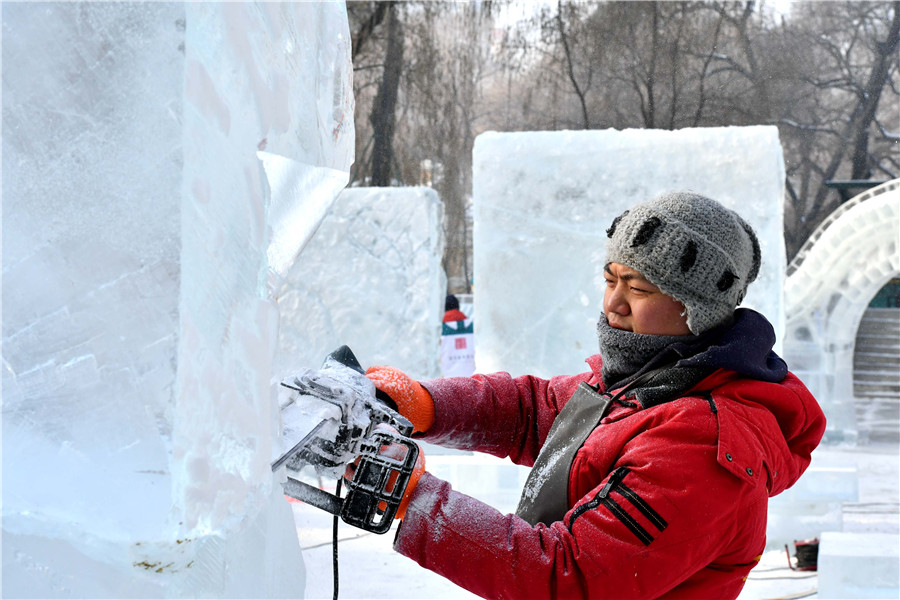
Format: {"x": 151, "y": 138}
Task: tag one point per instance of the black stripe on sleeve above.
{"x": 646, "y": 510}
{"x": 627, "y": 520}
{"x": 615, "y": 484}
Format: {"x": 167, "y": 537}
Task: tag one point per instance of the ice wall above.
{"x": 371, "y": 278}
{"x": 142, "y": 241}
{"x": 543, "y": 202}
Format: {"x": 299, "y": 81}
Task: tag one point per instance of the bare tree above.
{"x": 580, "y": 91}
{"x": 366, "y": 17}
{"x": 444, "y": 83}
{"x": 385, "y": 104}
{"x": 846, "y": 62}
{"x": 435, "y": 55}
{"x": 864, "y": 115}
{"x": 826, "y": 75}
{"x": 818, "y": 75}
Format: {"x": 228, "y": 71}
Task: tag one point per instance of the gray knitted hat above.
{"x": 693, "y": 249}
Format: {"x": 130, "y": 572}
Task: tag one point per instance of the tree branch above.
{"x": 570, "y": 67}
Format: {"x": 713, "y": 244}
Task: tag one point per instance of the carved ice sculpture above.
{"x": 163, "y": 165}
{"x": 849, "y": 257}
{"x": 372, "y": 279}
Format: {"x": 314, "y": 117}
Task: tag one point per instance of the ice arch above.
{"x": 852, "y": 254}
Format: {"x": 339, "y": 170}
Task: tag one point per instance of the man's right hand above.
{"x": 412, "y": 400}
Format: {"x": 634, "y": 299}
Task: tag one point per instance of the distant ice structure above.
{"x": 859, "y": 565}
{"x": 814, "y": 504}
{"x": 143, "y": 238}
{"x": 543, "y": 201}
{"x": 846, "y": 261}
{"x": 372, "y": 279}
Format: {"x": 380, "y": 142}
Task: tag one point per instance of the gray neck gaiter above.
{"x": 624, "y": 353}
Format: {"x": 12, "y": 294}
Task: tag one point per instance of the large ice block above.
{"x": 813, "y": 504}
{"x": 372, "y": 279}
{"x": 543, "y": 202}
{"x": 142, "y": 239}
{"x": 859, "y": 565}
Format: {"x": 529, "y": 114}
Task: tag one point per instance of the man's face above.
{"x": 632, "y": 303}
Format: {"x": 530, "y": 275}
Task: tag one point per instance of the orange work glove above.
{"x": 396, "y": 452}
{"x": 418, "y": 470}
{"x": 412, "y": 400}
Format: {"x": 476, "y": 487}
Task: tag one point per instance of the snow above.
{"x": 368, "y": 566}
{"x": 142, "y": 240}
{"x": 531, "y": 488}
{"x": 336, "y": 394}
{"x": 543, "y": 202}
{"x": 300, "y": 417}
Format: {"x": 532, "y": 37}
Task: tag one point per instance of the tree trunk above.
{"x": 862, "y": 168}
{"x": 857, "y": 127}
{"x": 650, "y": 120}
{"x": 570, "y": 67}
{"x": 384, "y": 106}
{"x": 365, "y": 31}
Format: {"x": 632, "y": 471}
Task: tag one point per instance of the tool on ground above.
{"x": 807, "y": 553}
{"x": 334, "y": 417}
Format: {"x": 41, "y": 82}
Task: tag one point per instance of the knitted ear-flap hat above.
{"x": 693, "y": 249}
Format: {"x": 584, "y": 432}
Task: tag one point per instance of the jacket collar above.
{"x": 743, "y": 346}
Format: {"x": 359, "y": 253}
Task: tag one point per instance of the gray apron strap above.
{"x": 545, "y": 498}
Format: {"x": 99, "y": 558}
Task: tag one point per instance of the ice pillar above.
{"x": 163, "y": 164}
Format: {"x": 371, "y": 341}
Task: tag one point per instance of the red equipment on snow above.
{"x": 807, "y": 553}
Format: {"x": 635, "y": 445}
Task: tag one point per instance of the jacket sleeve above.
{"x": 497, "y": 414}
{"x": 663, "y": 513}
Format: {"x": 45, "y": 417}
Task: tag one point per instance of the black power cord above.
{"x": 334, "y": 545}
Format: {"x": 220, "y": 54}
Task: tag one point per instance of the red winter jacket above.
{"x": 454, "y": 315}
{"x": 664, "y": 502}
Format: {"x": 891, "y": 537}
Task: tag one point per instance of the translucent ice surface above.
{"x": 543, "y": 202}
{"x": 142, "y": 232}
{"x": 372, "y": 279}
{"x": 859, "y": 565}
{"x": 828, "y": 289}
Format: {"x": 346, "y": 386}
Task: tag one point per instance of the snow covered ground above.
{"x": 369, "y": 568}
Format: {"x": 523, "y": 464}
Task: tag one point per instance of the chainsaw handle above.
{"x": 386, "y": 400}
{"x": 379, "y": 481}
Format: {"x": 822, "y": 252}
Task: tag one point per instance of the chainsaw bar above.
{"x": 302, "y": 425}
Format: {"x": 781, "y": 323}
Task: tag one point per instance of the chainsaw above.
{"x": 334, "y": 417}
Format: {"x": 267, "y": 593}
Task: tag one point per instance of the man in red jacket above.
{"x": 652, "y": 471}
{"x": 457, "y": 341}
{"x": 451, "y": 310}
